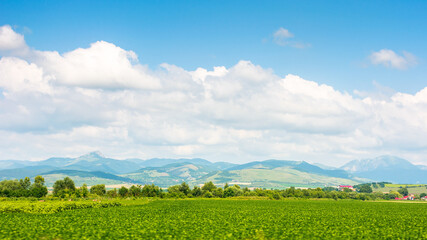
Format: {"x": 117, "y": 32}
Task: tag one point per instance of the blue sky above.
{"x": 322, "y": 81}
{"x": 204, "y": 34}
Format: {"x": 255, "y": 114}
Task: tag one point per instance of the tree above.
{"x": 365, "y": 188}
{"x": 196, "y": 192}
{"x": 218, "y": 193}
{"x": 84, "y": 192}
{"x": 209, "y": 186}
{"x": 184, "y": 188}
{"x": 151, "y": 191}
{"x": 64, "y": 187}
{"x": 207, "y": 194}
{"x": 403, "y": 191}
{"x": 123, "y": 191}
{"x": 174, "y": 191}
{"x": 39, "y": 180}
{"x": 26, "y": 183}
{"x": 58, "y": 186}
{"x": 112, "y": 193}
{"x": 232, "y": 192}
{"x": 135, "y": 190}
{"x": 38, "y": 189}
{"x": 98, "y": 189}
{"x": 69, "y": 184}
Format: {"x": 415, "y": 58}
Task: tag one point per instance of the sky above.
{"x": 238, "y": 81}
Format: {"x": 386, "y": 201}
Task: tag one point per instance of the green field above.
{"x": 412, "y": 188}
{"x": 225, "y": 219}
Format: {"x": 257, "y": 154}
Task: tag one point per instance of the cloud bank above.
{"x": 102, "y": 98}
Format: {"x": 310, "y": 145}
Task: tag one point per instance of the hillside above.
{"x": 90, "y": 178}
{"x": 95, "y": 168}
{"x": 171, "y": 174}
{"x": 280, "y": 177}
{"x": 264, "y": 174}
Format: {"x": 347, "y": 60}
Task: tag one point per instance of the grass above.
{"x": 412, "y": 188}
{"x": 224, "y": 219}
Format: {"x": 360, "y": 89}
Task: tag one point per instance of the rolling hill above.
{"x": 90, "y": 178}
{"x": 94, "y": 168}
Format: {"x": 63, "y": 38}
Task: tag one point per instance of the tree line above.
{"x": 23, "y": 188}
{"x": 66, "y": 188}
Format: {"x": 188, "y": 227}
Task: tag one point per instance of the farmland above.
{"x": 224, "y": 219}
{"x": 412, "y": 188}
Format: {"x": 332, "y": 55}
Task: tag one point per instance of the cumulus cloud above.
{"x": 17, "y": 75}
{"x": 102, "y": 65}
{"x": 390, "y": 59}
{"x": 11, "y": 43}
{"x": 101, "y": 97}
{"x": 10, "y": 40}
{"x": 282, "y": 37}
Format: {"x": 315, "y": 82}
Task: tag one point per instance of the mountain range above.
{"x": 95, "y": 168}
{"x": 388, "y": 169}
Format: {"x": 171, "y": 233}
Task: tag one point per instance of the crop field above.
{"x": 225, "y": 219}
{"x": 51, "y": 207}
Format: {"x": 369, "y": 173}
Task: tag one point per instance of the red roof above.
{"x": 346, "y": 186}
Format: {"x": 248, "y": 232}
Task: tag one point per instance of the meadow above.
{"x": 224, "y": 219}
{"x": 412, "y": 188}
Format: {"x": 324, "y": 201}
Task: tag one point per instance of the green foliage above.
{"x": 365, "y": 188}
{"x": 123, "y": 191}
{"x": 196, "y": 192}
{"x": 23, "y": 188}
{"x": 225, "y": 219}
{"x": 135, "y": 191}
{"x": 209, "y": 186}
{"x": 233, "y": 191}
{"x": 98, "y": 189}
{"x": 64, "y": 188}
{"x": 403, "y": 191}
{"x": 184, "y": 188}
{"x": 151, "y": 191}
{"x": 174, "y": 192}
{"x": 84, "y": 192}
{"x": 51, "y": 206}
{"x": 112, "y": 193}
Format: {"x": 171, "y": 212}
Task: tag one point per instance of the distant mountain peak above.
{"x": 378, "y": 163}
{"x": 381, "y": 162}
{"x": 94, "y": 154}
{"x": 387, "y": 168}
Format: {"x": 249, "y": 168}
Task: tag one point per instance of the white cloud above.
{"x": 102, "y": 65}
{"x": 18, "y": 75}
{"x": 389, "y": 58}
{"x": 283, "y": 33}
{"x": 10, "y": 40}
{"x": 101, "y": 98}
{"x": 282, "y": 37}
